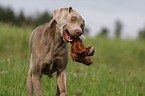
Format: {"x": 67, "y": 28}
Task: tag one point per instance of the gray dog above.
{"x": 49, "y": 49}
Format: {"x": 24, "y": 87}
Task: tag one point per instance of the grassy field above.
{"x": 118, "y": 68}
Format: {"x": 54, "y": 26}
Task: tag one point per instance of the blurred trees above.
{"x": 87, "y": 31}
{"x": 118, "y": 29}
{"x": 142, "y": 33}
{"x": 104, "y": 32}
{"x": 7, "y": 15}
{"x": 117, "y": 33}
{"x": 42, "y": 18}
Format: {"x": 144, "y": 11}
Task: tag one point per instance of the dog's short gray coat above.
{"x": 49, "y": 49}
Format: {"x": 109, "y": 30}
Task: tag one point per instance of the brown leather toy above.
{"x": 79, "y": 52}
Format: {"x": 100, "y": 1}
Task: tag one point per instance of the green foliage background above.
{"x": 118, "y": 68}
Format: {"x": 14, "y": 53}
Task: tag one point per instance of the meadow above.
{"x": 118, "y": 68}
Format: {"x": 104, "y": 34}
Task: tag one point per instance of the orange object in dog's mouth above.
{"x": 67, "y": 36}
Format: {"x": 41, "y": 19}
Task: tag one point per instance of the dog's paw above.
{"x": 91, "y": 51}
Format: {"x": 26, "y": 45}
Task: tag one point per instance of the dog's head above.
{"x": 70, "y": 21}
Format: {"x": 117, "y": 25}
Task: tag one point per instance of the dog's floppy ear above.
{"x": 60, "y": 15}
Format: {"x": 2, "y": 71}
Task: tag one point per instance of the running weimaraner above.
{"x": 49, "y": 49}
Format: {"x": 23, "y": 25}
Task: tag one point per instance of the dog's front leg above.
{"x": 37, "y": 85}
{"x": 61, "y": 81}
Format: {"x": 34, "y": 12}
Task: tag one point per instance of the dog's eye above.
{"x": 73, "y": 19}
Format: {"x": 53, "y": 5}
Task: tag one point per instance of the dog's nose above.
{"x": 79, "y": 33}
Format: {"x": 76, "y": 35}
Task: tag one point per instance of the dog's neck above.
{"x": 59, "y": 41}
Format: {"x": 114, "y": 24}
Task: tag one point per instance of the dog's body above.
{"x": 48, "y": 56}
{"x": 49, "y": 49}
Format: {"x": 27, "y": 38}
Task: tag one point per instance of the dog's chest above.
{"x": 59, "y": 61}
{"x": 50, "y": 69}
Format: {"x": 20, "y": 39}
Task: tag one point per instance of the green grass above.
{"x": 118, "y": 68}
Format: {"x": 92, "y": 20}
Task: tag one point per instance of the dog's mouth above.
{"x": 67, "y": 36}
